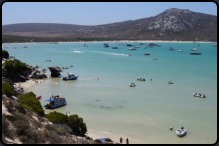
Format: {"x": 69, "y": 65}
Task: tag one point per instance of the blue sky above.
{"x": 92, "y": 13}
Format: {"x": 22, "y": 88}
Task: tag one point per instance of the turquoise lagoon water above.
{"x": 144, "y": 114}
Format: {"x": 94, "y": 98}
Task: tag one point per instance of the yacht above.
{"x": 70, "y": 76}
{"x": 55, "y": 101}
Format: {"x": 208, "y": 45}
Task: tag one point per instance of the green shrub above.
{"x": 15, "y": 66}
{"x": 3, "y": 75}
{"x": 7, "y": 89}
{"x": 5, "y": 54}
{"x": 28, "y": 100}
{"x": 56, "y": 117}
{"x": 20, "y": 108}
{"x": 77, "y": 125}
{"x": 50, "y": 127}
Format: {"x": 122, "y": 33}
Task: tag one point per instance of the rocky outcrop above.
{"x": 55, "y": 71}
{"x": 37, "y": 75}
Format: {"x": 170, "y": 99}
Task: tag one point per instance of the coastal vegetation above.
{"x": 29, "y": 101}
{"x": 7, "y": 89}
{"x": 73, "y": 121}
{"x": 15, "y": 66}
{"x": 5, "y": 54}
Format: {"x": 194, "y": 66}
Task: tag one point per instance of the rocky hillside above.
{"x": 172, "y": 24}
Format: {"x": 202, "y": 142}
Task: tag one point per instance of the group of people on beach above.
{"x": 127, "y": 140}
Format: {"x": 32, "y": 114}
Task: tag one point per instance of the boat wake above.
{"x": 109, "y": 53}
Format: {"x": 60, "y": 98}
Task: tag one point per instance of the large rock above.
{"x": 55, "y": 71}
{"x": 37, "y": 75}
{"x": 19, "y": 78}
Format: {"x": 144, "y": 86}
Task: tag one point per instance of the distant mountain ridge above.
{"x": 172, "y": 24}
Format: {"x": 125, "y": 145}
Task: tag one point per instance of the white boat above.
{"x": 194, "y": 49}
{"x": 180, "y": 51}
{"x": 198, "y": 95}
{"x": 154, "y": 58}
{"x": 132, "y": 85}
{"x": 181, "y": 132}
{"x": 141, "y": 79}
{"x": 55, "y": 101}
{"x": 70, "y": 76}
{"x": 137, "y": 46}
{"x": 133, "y": 48}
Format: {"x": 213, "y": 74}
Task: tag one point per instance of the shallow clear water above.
{"x": 144, "y": 114}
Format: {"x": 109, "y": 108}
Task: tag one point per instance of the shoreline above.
{"x": 149, "y": 41}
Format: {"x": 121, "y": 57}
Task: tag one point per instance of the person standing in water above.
{"x": 120, "y": 139}
{"x": 127, "y": 141}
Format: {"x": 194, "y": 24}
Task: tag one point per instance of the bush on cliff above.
{"x": 15, "y": 66}
{"x": 5, "y": 54}
{"x": 77, "y": 125}
{"x": 28, "y": 100}
{"x": 56, "y": 117}
{"x": 7, "y": 90}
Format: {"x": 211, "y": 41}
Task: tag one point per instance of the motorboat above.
{"x": 114, "y": 47}
{"x": 153, "y": 44}
{"x": 129, "y": 45}
{"x": 71, "y": 66}
{"x": 133, "y": 48}
{"x": 141, "y": 44}
{"x": 154, "y": 58}
{"x": 105, "y": 45}
{"x": 48, "y": 60}
{"x": 11, "y": 57}
{"x": 214, "y": 45}
{"x": 15, "y": 47}
{"x": 147, "y": 54}
{"x": 170, "y": 49}
{"x": 37, "y": 66}
{"x": 180, "y": 51}
{"x": 120, "y": 44}
{"x": 198, "y": 95}
{"x": 137, "y": 46}
{"x": 141, "y": 79}
{"x": 38, "y": 97}
{"x": 129, "y": 54}
{"x": 55, "y": 102}
{"x": 85, "y": 45}
{"x": 195, "y": 53}
{"x": 132, "y": 85}
{"x": 65, "y": 67}
{"x": 170, "y": 82}
{"x": 70, "y": 76}
{"x": 181, "y": 132}
{"x": 194, "y": 49}
{"x": 24, "y": 46}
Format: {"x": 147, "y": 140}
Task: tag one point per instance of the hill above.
{"x": 172, "y": 24}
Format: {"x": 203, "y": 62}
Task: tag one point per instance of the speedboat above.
{"x": 181, "y": 132}
{"x": 141, "y": 79}
{"x": 38, "y": 97}
{"x": 132, "y": 85}
{"x": 195, "y": 53}
{"x": 114, "y": 47}
{"x": 154, "y": 58}
{"x": 194, "y": 49}
{"x": 70, "y": 76}
{"x": 11, "y": 57}
{"x": 147, "y": 54}
{"x": 55, "y": 101}
{"x": 180, "y": 51}
{"x": 65, "y": 67}
{"x": 133, "y": 48}
{"x": 198, "y": 95}
{"x": 170, "y": 82}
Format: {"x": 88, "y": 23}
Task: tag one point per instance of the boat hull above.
{"x": 181, "y": 132}
{"x": 53, "y": 107}
{"x": 69, "y": 78}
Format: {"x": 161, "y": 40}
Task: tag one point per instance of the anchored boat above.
{"x": 55, "y": 102}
